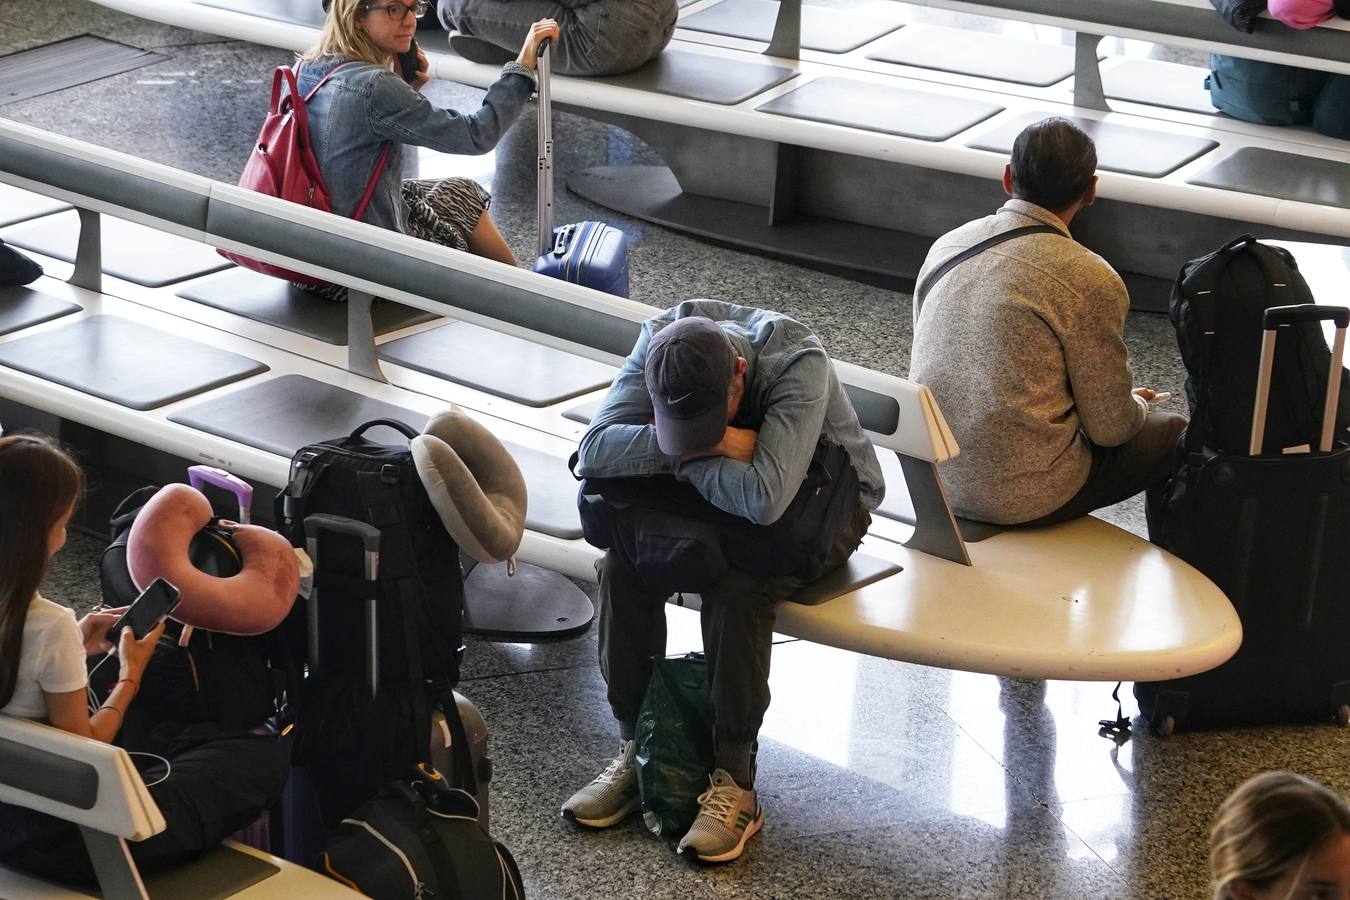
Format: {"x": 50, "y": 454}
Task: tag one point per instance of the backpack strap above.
{"x": 375, "y": 174}
{"x": 921, "y": 291}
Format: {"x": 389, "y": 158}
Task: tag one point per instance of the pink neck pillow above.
{"x": 252, "y": 602}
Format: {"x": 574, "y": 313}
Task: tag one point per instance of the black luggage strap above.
{"x": 1118, "y": 729}
{"x": 921, "y": 290}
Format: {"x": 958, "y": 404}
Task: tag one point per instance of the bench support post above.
{"x": 1087, "y": 73}
{"x": 935, "y": 530}
{"x": 117, "y": 875}
{"x": 362, "y": 357}
{"x": 787, "y": 31}
{"x": 88, "y": 272}
{"x": 783, "y": 200}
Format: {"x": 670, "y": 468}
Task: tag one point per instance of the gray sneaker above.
{"x": 728, "y": 816}
{"x": 610, "y": 798}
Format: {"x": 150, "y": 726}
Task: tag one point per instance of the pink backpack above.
{"x": 283, "y": 165}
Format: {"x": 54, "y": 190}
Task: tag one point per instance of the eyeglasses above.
{"x": 399, "y": 11}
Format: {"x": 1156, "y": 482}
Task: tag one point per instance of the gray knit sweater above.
{"x": 1023, "y": 347}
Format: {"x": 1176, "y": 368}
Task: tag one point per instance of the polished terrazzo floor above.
{"x": 880, "y": 779}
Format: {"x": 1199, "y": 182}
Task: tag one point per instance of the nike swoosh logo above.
{"x": 681, "y": 397}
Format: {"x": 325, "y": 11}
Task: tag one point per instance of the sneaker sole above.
{"x": 750, "y": 831}
{"x": 624, "y": 812}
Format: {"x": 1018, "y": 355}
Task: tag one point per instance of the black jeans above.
{"x": 220, "y": 780}
{"x": 1142, "y": 463}
{"x": 737, "y": 618}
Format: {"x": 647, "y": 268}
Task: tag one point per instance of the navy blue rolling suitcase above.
{"x": 591, "y": 254}
{"x": 1269, "y": 529}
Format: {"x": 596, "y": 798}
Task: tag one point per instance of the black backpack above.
{"x": 421, "y": 839}
{"x": 676, "y": 540}
{"x": 367, "y": 740}
{"x": 238, "y": 681}
{"x": 1217, "y": 306}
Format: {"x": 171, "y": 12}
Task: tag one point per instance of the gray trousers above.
{"x": 604, "y": 37}
{"x": 737, "y": 618}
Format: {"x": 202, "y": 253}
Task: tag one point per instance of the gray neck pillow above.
{"x": 474, "y": 484}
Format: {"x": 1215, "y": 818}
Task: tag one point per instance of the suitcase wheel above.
{"x": 1343, "y": 714}
{"x": 1164, "y": 726}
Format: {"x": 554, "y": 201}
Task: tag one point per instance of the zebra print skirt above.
{"x": 444, "y": 211}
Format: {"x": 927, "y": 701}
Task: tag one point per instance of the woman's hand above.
{"x": 423, "y": 72}
{"x": 544, "y": 29}
{"x": 134, "y": 654}
{"x": 94, "y": 630}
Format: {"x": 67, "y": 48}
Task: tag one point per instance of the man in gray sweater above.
{"x": 1022, "y": 343}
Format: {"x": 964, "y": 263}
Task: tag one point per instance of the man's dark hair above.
{"x": 1053, "y": 162}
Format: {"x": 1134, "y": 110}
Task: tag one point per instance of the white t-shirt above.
{"x": 51, "y": 659}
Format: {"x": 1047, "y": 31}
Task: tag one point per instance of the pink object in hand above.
{"x": 252, "y": 602}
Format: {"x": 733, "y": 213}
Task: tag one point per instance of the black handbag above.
{"x": 677, "y": 541}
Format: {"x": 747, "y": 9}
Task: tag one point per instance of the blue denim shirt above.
{"x": 792, "y": 398}
{"x": 364, "y": 106}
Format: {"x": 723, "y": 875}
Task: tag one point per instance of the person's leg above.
{"x": 1118, "y": 473}
{"x": 502, "y": 24}
{"x": 632, "y": 632}
{"x": 486, "y": 240}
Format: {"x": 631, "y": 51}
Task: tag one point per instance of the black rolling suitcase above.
{"x": 1269, "y": 530}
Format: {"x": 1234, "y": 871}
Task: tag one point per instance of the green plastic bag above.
{"x": 674, "y": 744}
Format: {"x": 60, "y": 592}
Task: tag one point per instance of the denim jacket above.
{"x": 364, "y": 106}
{"x": 792, "y": 398}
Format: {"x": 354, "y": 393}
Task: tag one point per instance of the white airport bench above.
{"x": 1082, "y": 600}
{"x": 857, "y": 155}
{"x": 96, "y": 787}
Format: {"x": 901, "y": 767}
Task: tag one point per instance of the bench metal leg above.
{"x": 117, "y": 875}
{"x": 936, "y": 532}
{"x": 787, "y": 178}
{"x": 1087, "y": 73}
{"x": 88, "y": 272}
{"x": 531, "y": 604}
{"x": 362, "y": 356}
{"x": 787, "y": 31}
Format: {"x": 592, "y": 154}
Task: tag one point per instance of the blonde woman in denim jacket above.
{"x": 367, "y": 105}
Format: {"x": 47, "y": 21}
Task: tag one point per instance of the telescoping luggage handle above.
{"x": 543, "y": 73}
{"x": 369, "y": 535}
{"x": 242, "y": 490}
{"x": 1278, "y": 317}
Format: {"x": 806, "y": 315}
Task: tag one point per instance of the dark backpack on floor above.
{"x": 362, "y": 741}
{"x": 421, "y": 839}
{"x": 1218, "y": 302}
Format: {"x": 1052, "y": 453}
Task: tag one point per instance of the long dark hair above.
{"x": 38, "y": 483}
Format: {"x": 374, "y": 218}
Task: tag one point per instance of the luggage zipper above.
{"x": 418, "y": 886}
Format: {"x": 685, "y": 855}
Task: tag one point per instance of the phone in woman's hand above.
{"x": 409, "y": 63}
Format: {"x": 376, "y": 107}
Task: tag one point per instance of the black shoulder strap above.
{"x": 921, "y": 291}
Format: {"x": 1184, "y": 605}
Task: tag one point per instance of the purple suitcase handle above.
{"x": 242, "y": 490}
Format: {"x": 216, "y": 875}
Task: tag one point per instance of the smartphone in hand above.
{"x": 146, "y": 611}
{"x": 409, "y": 63}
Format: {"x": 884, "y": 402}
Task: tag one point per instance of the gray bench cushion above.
{"x": 585, "y": 412}
{"x": 1120, "y": 148}
{"x": 827, "y": 30}
{"x": 223, "y": 872}
{"x": 283, "y": 414}
{"x": 861, "y": 569}
{"x": 1158, "y": 83}
{"x": 977, "y": 53}
{"x": 881, "y": 107}
{"x": 552, "y": 490}
{"x": 132, "y": 252}
{"x": 64, "y": 64}
{"x": 299, "y": 12}
{"x": 499, "y": 364}
{"x": 698, "y": 76}
{"x": 1270, "y": 173}
{"x": 125, "y": 362}
{"x": 18, "y": 205}
{"x": 23, "y": 306}
{"x": 280, "y": 303}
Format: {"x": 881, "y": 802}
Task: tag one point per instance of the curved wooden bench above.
{"x": 1083, "y": 600}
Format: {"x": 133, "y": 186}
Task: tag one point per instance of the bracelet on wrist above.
{"x": 135, "y": 685}
{"x": 120, "y": 717}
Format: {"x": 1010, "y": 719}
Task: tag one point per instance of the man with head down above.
{"x": 732, "y": 400}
